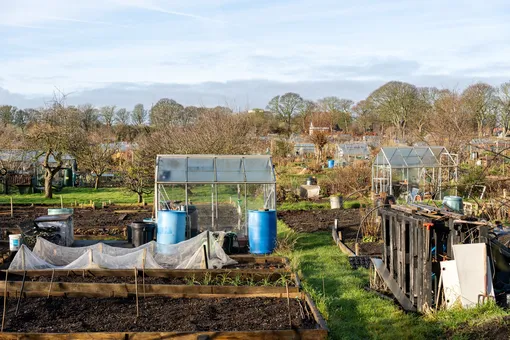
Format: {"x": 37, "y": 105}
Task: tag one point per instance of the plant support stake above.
{"x": 5, "y": 300}
{"x": 21, "y": 292}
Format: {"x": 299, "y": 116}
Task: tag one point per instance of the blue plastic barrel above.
{"x": 331, "y": 163}
{"x": 454, "y": 203}
{"x": 262, "y": 231}
{"x": 171, "y": 226}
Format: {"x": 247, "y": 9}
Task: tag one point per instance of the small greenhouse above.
{"x": 415, "y": 172}
{"x": 347, "y": 153}
{"x": 216, "y": 191}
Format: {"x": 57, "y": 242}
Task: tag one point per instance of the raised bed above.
{"x": 276, "y": 277}
{"x": 161, "y": 317}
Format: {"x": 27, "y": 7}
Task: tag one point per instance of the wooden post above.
{"x": 136, "y": 291}
{"x": 340, "y": 236}
{"x": 5, "y": 300}
{"x": 12, "y": 209}
{"x": 356, "y": 248}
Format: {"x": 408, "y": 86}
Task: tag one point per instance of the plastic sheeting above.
{"x": 184, "y": 255}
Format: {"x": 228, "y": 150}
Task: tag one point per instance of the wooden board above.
{"x": 303, "y": 334}
{"x": 123, "y": 290}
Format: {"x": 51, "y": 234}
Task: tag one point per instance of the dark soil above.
{"x": 310, "y": 221}
{"x": 157, "y": 314}
{"x": 84, "y": 218}
{"x": 252, "y": 265}
{"x": 367, "y": 248}
{"x": 498, "y": 329}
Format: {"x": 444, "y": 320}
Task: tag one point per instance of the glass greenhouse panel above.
{"x": 201, "y": 170}
{"x": 172, "y": 170}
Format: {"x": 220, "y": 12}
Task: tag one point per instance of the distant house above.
{"x": 314, "y": 129}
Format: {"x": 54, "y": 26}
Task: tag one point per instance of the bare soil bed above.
{"x": 367, "y": 248}
{"x": 157, "y": 314}
{"x": 84, "y": 219}
{"x": 310, "y": 221}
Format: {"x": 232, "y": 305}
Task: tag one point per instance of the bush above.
{"x": 355, "y": 178}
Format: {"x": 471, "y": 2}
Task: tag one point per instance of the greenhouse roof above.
{"x": 412, "y": 157}
{"x": 203, "y": 169}
{"x": 354, "y": 149}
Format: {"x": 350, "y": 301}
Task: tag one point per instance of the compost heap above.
{"x": 189, "y": 254}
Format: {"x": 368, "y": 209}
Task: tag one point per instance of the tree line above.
{"x": 396, "y": 109}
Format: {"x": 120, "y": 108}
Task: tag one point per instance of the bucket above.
{"x": 331, "y": 163}
{"x": 262, "y": 231}
{"x": 60, "y": 211}
{"x": 141, "y": 233}
{"x": 454, "y": 203}
{"x": 171, "y": 226}
{"x": 336, "y": 202}
{"x": 14, "y": 242}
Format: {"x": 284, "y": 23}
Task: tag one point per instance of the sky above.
{"x": 241, "y": 53}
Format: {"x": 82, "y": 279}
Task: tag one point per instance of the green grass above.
{"x": 197, "y": 194}
{"x": 79, "y": 195}
{"x": 353, "y": 313}
{"x": 302, "y": 205}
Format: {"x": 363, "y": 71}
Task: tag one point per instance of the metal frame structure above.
{"x": 350, "y": 151}
{"x": 411, "y": 166}
{"x": 215, "y": 170}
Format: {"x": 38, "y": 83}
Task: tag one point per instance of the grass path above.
{"x": 353, "y": 313}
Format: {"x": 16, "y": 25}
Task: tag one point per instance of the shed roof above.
{"x": 203, "y": 169}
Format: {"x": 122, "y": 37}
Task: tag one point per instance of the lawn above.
{"x": 352, "y": 312}
{"x": 78, "y": 195}
{"x": 197, "y": 194}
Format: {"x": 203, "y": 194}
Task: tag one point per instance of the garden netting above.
{"x": 189, "y": 254}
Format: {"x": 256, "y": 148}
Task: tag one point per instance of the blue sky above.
{"x": 242, "y": 53}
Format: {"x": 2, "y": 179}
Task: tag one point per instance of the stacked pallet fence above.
{"x": 415, "y": 242}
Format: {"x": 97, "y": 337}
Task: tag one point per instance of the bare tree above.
{"x": 7, "y": 113}
{"x": 448, "y": 125}
{"x": 138, "y": 175}
{"x": 96, "y": 154}
{"x": 480, "y": 102}
{"x": 108, "y": 115}
{"x": 340, "y": 110}
{"x": 396, "y": 102}
{"x": 319, "y": 139}
{"x": 139, "y": 115}
{"x": 122, "y": 116}
{"x": 55, "y": 134}
{"x": 165, "y": 112}
{"x": 365, "y": 115}
{"x": 425, "y": 108}
{"x": 89, "y": 117}
{"x": 504, "y": 107}
{"x": 286, "y": 107}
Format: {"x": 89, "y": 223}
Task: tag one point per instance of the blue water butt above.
{"x": 262, "y": 231}
{"x": 171, "y": 227}
{"x": 331, "y": 163}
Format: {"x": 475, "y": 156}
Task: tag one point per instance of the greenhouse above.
{"x": 216, "y": 191}
{"x": 349, "y": 152}
{"x": 415, "y": 173}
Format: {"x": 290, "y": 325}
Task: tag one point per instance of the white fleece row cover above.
{"x": 188, "y": 254}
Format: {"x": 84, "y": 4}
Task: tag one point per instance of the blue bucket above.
{"x": 171, "y": 226}
{"x": 262, "y": 231}
{"x": 331, "y": 163}
{"x": 454, "y": 203}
